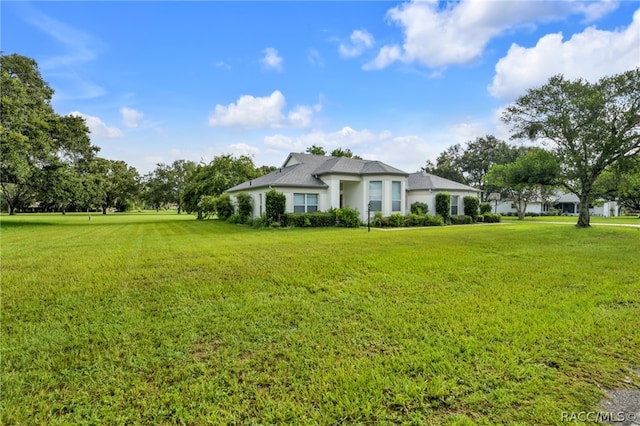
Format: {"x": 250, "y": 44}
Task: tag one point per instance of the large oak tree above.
{"x": 588, "y": 126}
{"x": 38, "y": 146}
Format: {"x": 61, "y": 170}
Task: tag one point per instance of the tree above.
{"x": 480, "y": 155}
{"x": 224, "y": 172}
{"x": 316, "y": 150}
{"x": 589, "y": 126}
{"x": 37, "y": 144}
{"x": 621, "y": 182}
{"x": 470, "y": 164}
{"x": 522, "y": 180}
{"x": 120, "y": 183}
{"x": 339, "y": 152}
{"x": 166, "y": 183}
{"x": 447, "y": 164}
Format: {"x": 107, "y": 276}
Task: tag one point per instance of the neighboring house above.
{"x": 565, "y": 203}
{"x": 313, "y": 183}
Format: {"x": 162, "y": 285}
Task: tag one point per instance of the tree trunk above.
{"x": 104, "y": 209}
{"x": 12, "y": 210}
{"x": 583, "y": 217}
{"x": 199, "y": 215}
{"x": 179, "y": 209}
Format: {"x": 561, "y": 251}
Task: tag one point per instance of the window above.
{"x": 396, "y": 196}
{"x": 454, "y": 205}
{"x": 305, "y": 203}
{"x": 375, "y": 195}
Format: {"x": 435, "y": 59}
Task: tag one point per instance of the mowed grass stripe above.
{"x": 164, "y": 319}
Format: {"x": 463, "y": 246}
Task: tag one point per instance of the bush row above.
{"x": 411, "y": 220}
{"x": 344, "y": 218}
{"x": 398, "y": 220}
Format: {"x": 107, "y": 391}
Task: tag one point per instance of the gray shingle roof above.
{"x": 423, "y": 180}
{"x": 300, "y": 170}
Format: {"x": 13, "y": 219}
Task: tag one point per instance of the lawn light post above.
{"x": 495, "y": 197}
{"x": 369, "y": 217}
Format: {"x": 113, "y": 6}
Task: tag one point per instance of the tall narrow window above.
{"x": 375, "y": 195}
{"x": 312, "y": 203}
{"x": 299, "y": 203}
{"x": 396, "y": 196}
{"x": 454, "y": 205}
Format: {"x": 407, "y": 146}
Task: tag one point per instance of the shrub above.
{"x": 275, "y": 205}
{"x": 471, "y": 205}
{"x": 378, "y": 220}
{"x": 245, "y": 205}
{"x": 257, "y": 222}
{"x": 485, "y": 208}
{"x": 419, "y": 208}
{"x": 492, "y": 218}
{"x": 413, "y": 219}
{"x": 480, "y": 219}
{"x": 347, "y": 217}
{"x": 443, "y": 205}
{"x": 396, "y": 220}
{"x": 461, "y": 219}
{"x": 436, "y": 220}
{"x": 206, "y": 206}
{"x": 224, "y": 207}
{"x": 236, "y": 219}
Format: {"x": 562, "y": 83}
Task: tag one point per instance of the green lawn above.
{"x": 629, "y": 220}
{"x": 162, "y": 319}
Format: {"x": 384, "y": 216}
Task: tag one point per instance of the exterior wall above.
{"x": 351, "y": 187}
{"x": 258, "y": 197}
{"x": 429, "y": 198}
{"x": 386, "y": 195}
{"x": 504, "y": 207}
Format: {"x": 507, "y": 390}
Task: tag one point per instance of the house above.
{"x": 565, "y": 203}
{"x": 313, "y": 183}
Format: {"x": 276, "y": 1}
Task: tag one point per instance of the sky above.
{"x": 398, "y": 82}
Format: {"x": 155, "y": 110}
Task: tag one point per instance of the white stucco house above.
{"x": 567, "y": 203}
{"x": 313, "y": 183}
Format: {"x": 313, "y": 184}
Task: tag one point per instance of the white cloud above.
{"x": 591, "y": 54}
{"x": 98, "y": 127}
{"x": 271, "y": 59}
{"x": 458, "y": 33}
{"x": 251, "y": 112}
{"x": 467, "y": 131}
{"x": 386, "y": 56}
{"x": 243, "y": 149}
{"x": 360, "y": 40}
{"x": 223, "y": 64}
{"x": 131, "y": 117}
{"x": 314, "y": 58}
{"x": 262, "y": 112}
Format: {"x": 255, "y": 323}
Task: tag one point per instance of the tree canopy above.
{"x": 525, "y": 179}
{"x": 224, "y": 172}
{"x": 587, "y": 126}
{"x": 38, "y": 146}
{"x": 469, "y": 164}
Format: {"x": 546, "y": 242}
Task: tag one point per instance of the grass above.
{"x": 628, "y": 220}
{"x": 162, "y": 319}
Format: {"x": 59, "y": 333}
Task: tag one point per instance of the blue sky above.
{"x": 392, "y": 81}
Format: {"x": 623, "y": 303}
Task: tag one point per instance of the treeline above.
{"x": 48, "y": 163}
